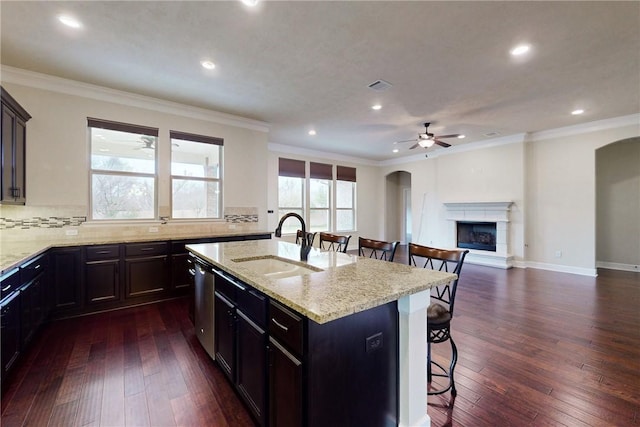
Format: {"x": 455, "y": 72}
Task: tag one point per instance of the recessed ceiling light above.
{"x": 249, "y": 3}
{"x": 103, "y": 150}
{"x": 312, "y": 132}
{"x": 520, "y": 50}
{"x": 376, "y": 107}
{"x": 462, "y": 136}
{"x": 577, "y": 112}
{"x": 69, "y": 21}
{"x": 208, "y": 65}
{"x": 395, "y": 150}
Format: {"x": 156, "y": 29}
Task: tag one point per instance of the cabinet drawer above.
{"x": 286, "y": 326}
{"x": 254, "y": 304}
{"x": 146, "y": 249}
{"x": 97, "y": 253}
{"x": 31, "y": 269}
{"x": 228, "y": 286}
{"x": 10, "y": 282}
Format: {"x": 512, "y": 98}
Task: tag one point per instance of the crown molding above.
{"x": 581, "y": 129}
{"x": 290, "y": 149}
{"x": 99, "y": 93}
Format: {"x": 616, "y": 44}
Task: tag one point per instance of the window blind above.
{"x": 292, "y": 168}
{"x": 196, "y": 138}
{"x": 122, "y": 127}
{"x": 345, "y": 173}
{"x": 320, "y": 171}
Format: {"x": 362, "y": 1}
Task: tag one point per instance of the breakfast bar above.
{"x": 338, "y": 298}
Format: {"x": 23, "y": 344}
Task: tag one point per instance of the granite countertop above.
{"x": 13, "y": 253}
{"x": 347, "y": 283}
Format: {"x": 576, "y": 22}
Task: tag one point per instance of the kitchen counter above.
{"x": 348, "y": 287}
{"x": 15, "y": 252}
{"x": 347, "y": 283}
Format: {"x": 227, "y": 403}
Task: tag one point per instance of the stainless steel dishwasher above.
{"x": 204, "y": 316}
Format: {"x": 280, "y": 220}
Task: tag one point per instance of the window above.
{"x": 123, "y": 172}
{"x": 320, "y": 183}
{"x": 291, "y": 186}
{"x": 345, "y": 198}
{"x": 196, "y": 170}
{"x": 322, "y": 210}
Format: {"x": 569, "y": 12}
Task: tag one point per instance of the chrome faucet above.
{"x": 306, "y": 240}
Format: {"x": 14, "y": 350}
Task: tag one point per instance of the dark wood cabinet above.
{"x": 102, "y": 274}
{"x": 10, "y": 331}
{"x": 251, "y": 365}
{"x": 13, "y": 147}
{"x": 225, "y": 335}
{"x": 285, "y": 387}
{"x": 292, "y": 371}
{"x": 66, "y": 276}
{"x": 241, "y": 340}
{"x": 146, "y": 269}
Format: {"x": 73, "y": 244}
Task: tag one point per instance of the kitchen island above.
{"x": 362, "y": 327}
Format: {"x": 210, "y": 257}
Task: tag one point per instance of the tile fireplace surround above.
{"x": 497, "y": 212}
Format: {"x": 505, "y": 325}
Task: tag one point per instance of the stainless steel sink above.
{"x": 275, "y": 267}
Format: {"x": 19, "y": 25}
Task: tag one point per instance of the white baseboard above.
{"x": 563, "y": 268}
{"x": 618, "y": 266}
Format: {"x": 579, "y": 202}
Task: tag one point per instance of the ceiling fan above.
{"x": 427, "y": 139}
{"x": 148, "y": 143}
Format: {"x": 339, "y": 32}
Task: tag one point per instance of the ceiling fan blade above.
{"x": 453, "y": 135}
{"x": 442, "y": 144}
{"x": 414, "y": 146}
{"x": 406, "y": 140}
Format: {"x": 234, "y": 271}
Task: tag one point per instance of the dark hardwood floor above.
{"x": 535, "y": 348}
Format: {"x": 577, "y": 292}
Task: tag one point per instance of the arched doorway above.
{"x": 618, "y": 205}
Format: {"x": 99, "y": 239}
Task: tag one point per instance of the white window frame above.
{"x": 202, "y": 140}
{"x": 93, "y": 123}
{"x": 333, "y": 210}
{"x": 352, "y": 209}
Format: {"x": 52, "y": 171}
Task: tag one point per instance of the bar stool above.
{"x": 334, "y": 242}
{"x": 377, "y": 249}
{"x": 310, "y": 237}
{"x": 440, "y": 311}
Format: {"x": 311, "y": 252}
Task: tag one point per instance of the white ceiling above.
{"x": 307, "y": 64}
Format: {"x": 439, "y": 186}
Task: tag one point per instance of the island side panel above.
{"x": 352, "y": 369}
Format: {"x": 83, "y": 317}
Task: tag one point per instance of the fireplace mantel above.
{"x": 497, "y": 212}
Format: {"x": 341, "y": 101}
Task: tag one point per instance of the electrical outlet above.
{"x": 153, "y": 229}
{"x": 232, "y": 226}
{"x": 374, "y": 342}
{"x": 71, "y": 232}
{"x": 558, "y": 254}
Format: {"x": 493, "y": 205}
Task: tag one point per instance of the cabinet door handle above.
{"x": 146, "y": 249}
{"x": 37, "y": 267}
{"x": 280, "y": 325}
{"x": 103, "y": 252}
{"x": 6, "y": 288}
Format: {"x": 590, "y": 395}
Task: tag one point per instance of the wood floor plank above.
{"x": 536, "y": 348}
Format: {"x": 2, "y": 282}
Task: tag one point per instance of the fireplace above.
{"x": 476, "y": 235}
{"x": 483, "y": 228}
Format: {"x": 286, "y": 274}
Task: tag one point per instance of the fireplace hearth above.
{"x": 477, "y": 235}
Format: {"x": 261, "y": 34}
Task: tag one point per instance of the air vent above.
{"x": 380, "y": 85}
{"x": 491, "y": 134}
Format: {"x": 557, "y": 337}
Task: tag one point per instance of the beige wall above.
{"x": 618, "y": 204}
{"x": 561, "y": 187}
{"x": 57, "y": 150}
{"x": 550, "y": 176}
{"x": 490, "y": 174}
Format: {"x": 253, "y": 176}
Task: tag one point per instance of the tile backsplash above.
{"x": 41, "y": 222}
{"x": 19, "y": 222}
